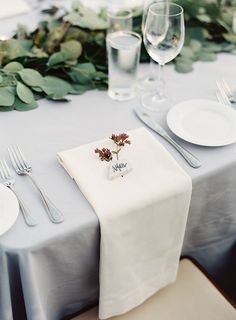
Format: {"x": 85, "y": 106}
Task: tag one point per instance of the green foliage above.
{"x": 56, "y": 88}
{"x": 82, "y": 73}
{"x": 67, "y": 54}
{"x": 13, "y": 67}
{"x": 10, "y": 50}
{"x": 31, "y": 77}
{"x": 84, "y": 17}
{"x": 7, "y": 97}
{"x": 24, "y": 93}
{"x": 22, "y": 106}
{"x": 208, "y": 31}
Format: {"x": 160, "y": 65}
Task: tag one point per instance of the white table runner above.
{"x": 142, "y": 218}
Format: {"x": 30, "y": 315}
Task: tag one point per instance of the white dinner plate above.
{"x": 9, "y": 209}
{"x": 203, "y": 122}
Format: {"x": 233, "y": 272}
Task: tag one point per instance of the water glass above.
{"x": 121, "y": 20}
{"x": 123, "y": 49}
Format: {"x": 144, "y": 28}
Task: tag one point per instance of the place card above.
{"x": 119, "y": 168}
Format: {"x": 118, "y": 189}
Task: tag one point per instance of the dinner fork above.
{"x": 8, "y": 180}
{"x": 22, "y": 167}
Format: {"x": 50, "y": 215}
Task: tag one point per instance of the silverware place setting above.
{"x": 191, "y": 120}
{"x": 23, "y": 168}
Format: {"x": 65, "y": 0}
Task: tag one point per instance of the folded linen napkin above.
{"x": 13, "y": 8}
{"x": 142, "y": 218}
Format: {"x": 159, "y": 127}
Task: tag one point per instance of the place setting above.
{"x": 148, "y": 171}
{"x": 202, "y": 122}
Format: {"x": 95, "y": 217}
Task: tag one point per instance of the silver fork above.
{"x": 221, "y": 95}
{"x": 22, "y": 167}
{"x": 8, "y": 180}
{"x": 228, "y": 91}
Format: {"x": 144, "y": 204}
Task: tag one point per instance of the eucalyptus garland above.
{"x": 208, "y": 31}
{"x": 66, "y": 54}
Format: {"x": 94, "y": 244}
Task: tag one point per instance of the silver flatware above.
{"x": 228, "y": 91}
{"x": 8, "y": 180}
{"x": 224, "y": 94}
{"x": 22, "y": 167}
{"x": 151, "y": 123}
{"x": 221, "y": 95}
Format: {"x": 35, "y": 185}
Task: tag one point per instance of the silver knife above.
{"x": 151, "y": 123}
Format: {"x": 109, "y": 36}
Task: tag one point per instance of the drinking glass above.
{"x": 120, "y": 20}
{"x": 163, "y": 38}
{"x": 123, "y": 49}
{"x": 149, "y": 81}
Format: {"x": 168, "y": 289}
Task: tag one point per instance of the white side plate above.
{"x": 203, "y": 122}
{"x": 9, "y": 209}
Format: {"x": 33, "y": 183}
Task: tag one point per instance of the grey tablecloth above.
{"x": 52, "y": 270}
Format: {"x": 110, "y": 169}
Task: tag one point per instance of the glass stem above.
{"x": 161, "y": 82}
{"x": 152, "y": 70}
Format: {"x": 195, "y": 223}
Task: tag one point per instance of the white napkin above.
{"x": 142, "y": 218}
{"x": 13, "y": 8}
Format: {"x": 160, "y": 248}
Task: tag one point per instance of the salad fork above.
{"x": 22, "y": 167}
{"x": 7, "y": 179}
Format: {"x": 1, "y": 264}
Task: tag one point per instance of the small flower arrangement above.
{"x": 104, "y": 154}
{"x": 118, "y": 167}
{"x": 120, "y": 141}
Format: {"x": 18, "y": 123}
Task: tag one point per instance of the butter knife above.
{"x": 151, "y": 123}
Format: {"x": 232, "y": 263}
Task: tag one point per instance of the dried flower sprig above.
{"x": 120, "y": 140}
{"x": 104, "y": 154}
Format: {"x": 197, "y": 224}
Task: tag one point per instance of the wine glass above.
{"x": 149, "y": 81}
{"x": 163, "y": 38}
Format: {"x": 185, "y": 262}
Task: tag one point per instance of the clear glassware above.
{"x": 164, "y": 33}
{"x": 123, "y": 49}
{"x": 120, "y": 20}
{"x": 149, "y": 81}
